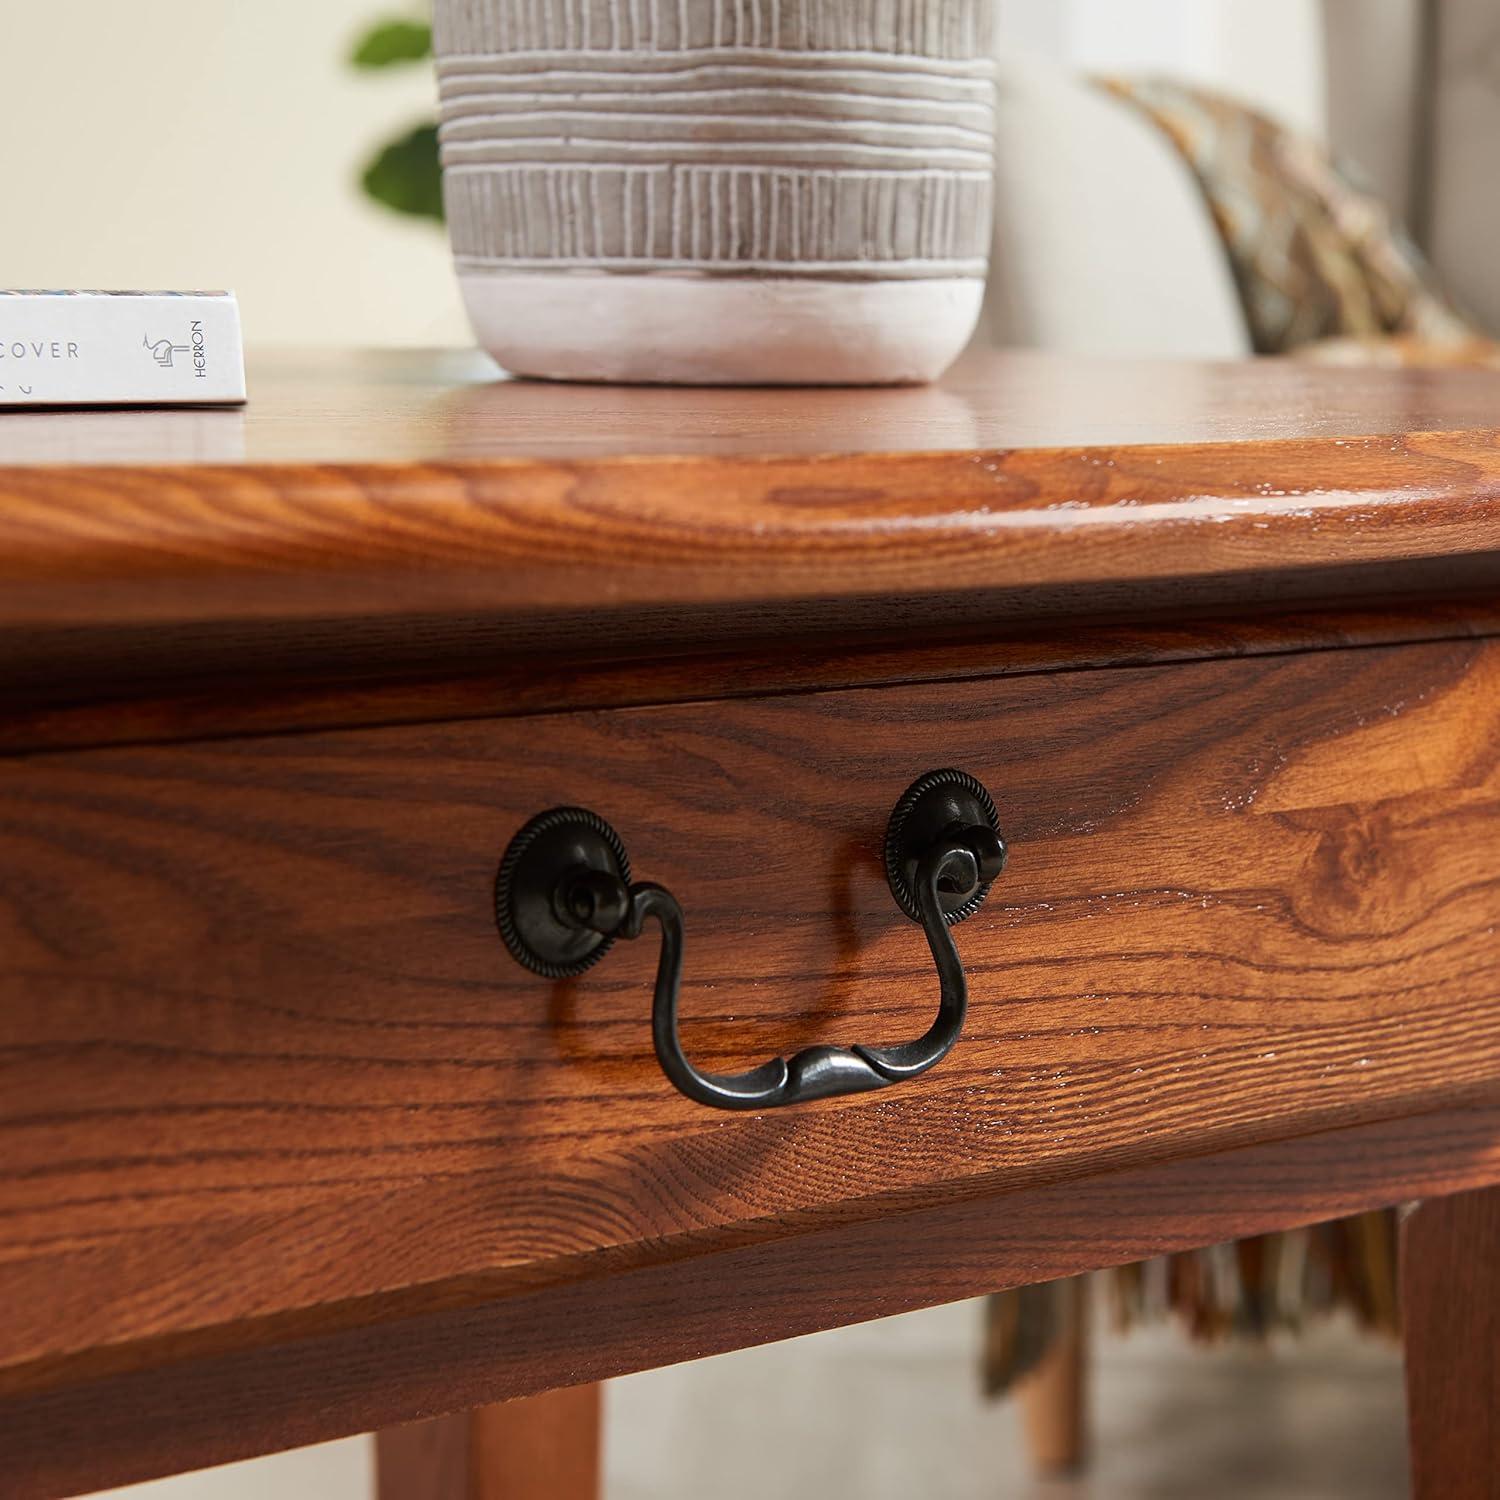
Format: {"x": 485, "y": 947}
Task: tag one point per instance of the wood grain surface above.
{"x": 289, "y": 1148}
{"x": 1450, "y": 1293}
{"x": 203, "y": 1402}
{"x": 94, "y": 688}
{"x": 413, "y": 407}
{"x": 267, "y": 1075}
{"x": 815, "y": 512}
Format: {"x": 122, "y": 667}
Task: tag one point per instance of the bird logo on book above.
{"x": 163, "y": 351}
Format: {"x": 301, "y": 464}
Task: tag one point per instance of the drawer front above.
{"x": 261, "y": 1048}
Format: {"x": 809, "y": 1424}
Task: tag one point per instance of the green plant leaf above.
{"x": 392, "y": 42}
{"x": 407, "y": 175}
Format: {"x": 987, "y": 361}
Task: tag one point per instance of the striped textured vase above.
{"x": 719, "y": 191}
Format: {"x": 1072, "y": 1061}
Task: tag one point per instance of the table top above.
{"x": 387, "y": 488}
{"x": 417, "y": 407}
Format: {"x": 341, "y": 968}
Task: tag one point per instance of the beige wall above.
{"x": 1463, "y": 218}
{"x": 1269, "y": 52}
{"x": 208, "y": 143}
{"x": 1374, "y": 50}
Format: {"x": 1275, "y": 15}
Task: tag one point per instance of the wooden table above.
{"x": 291, "y": 1147}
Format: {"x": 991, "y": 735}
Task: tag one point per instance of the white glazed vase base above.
{"x": 720, "y": 330}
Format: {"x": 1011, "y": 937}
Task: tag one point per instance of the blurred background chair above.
{"x": 1103, "y": 241}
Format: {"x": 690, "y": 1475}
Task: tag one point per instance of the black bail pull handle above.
{"x": 563, "y": 896}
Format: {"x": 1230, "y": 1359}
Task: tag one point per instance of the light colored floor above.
{"x": 893, "y": 1410}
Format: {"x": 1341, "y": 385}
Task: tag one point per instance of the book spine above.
{"x": 122, "y": 349}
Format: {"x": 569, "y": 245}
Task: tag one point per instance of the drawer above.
{"x": 261, "y": 1048}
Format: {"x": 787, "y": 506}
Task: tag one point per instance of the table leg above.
{"x": 1054, "y": 1396}
{"x": 543, "y": 1448}
{"x": 1450, "y": 1285}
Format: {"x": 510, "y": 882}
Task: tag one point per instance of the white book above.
{"x": 120, "y": 349}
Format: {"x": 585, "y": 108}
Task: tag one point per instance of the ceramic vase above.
{"x": 719, "y": 191}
